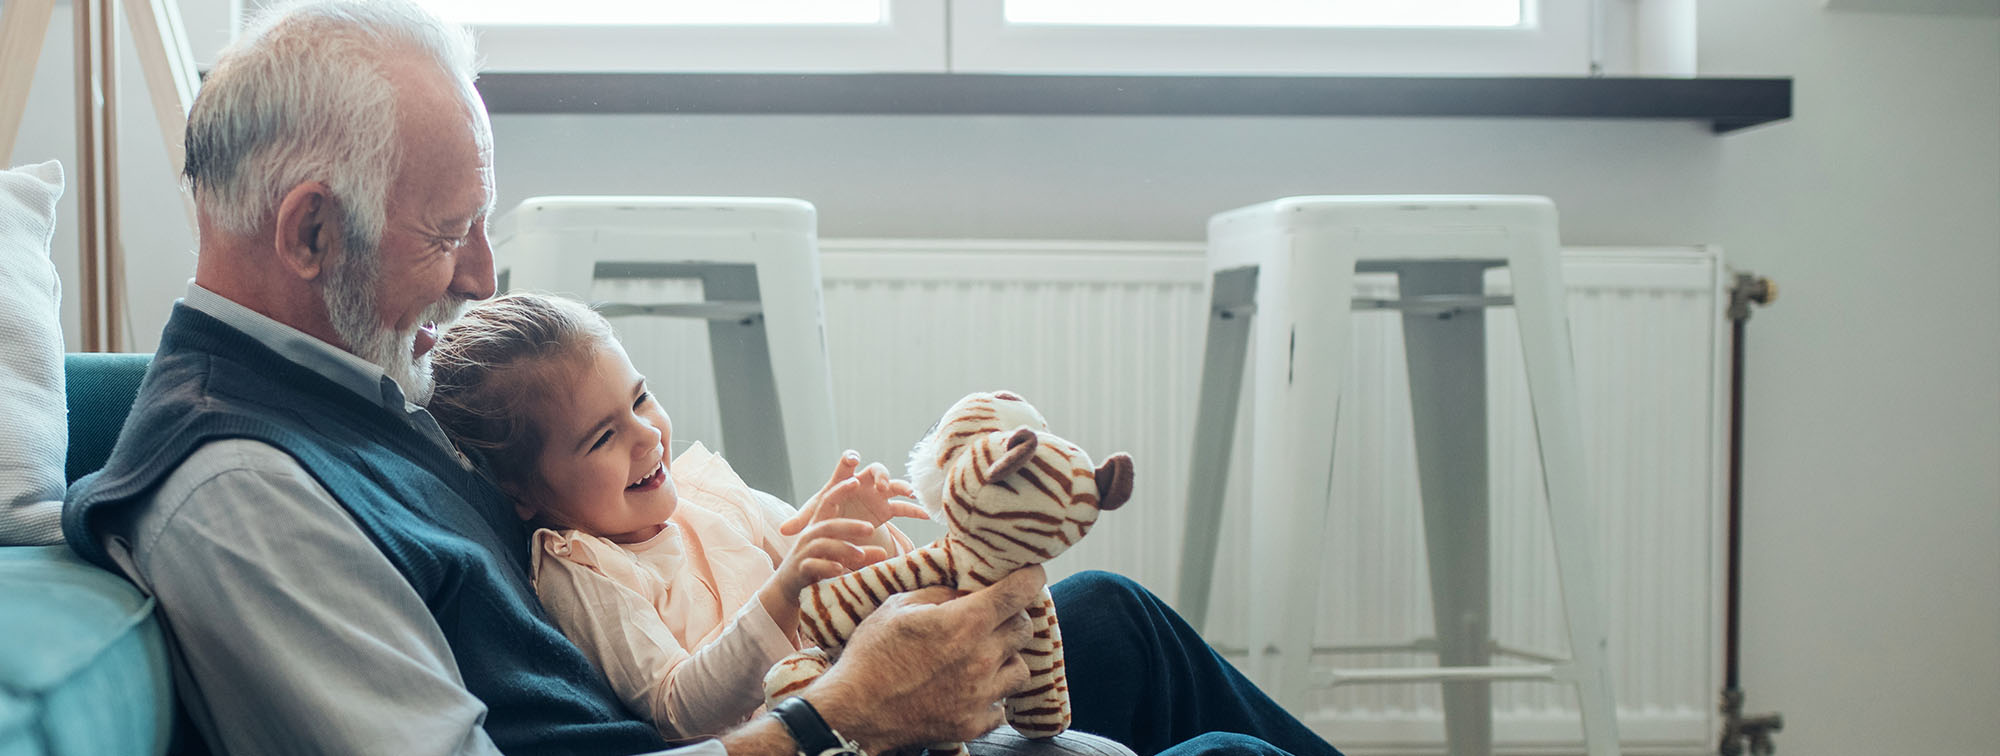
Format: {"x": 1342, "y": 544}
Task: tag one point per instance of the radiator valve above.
{"x": 1753, "y": 731}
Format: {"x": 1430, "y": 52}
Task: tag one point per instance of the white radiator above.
{"x": 1106, "y": 339}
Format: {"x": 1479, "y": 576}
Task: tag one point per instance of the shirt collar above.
{"x": 360, "y": 376}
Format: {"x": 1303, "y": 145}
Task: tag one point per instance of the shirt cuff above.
{"x": 704, "y": 747}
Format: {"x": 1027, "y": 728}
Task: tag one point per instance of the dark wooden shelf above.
{"x": 1727, "y": 104}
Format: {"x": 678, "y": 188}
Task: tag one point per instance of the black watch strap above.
{"x": 812, "y": 734}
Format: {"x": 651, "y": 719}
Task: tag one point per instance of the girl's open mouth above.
{"x": 652, "y": 480}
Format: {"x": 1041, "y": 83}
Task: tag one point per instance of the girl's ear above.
{"x": 523, "y": 507}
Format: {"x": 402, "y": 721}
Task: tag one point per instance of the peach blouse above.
{"x": 674, "y": 622}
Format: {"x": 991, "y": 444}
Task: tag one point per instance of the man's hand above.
{"x": 927, "y": 667}
{"x": 864, "y": 495}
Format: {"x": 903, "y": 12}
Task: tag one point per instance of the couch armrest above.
{"x": 85, "y": 669}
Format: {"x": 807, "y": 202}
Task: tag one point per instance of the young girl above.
{"x": 678, "y": 580}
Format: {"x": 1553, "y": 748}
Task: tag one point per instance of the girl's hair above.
{"x": 496, "y": 363}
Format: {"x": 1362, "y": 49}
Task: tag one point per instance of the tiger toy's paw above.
{"x": 793, "y": 673}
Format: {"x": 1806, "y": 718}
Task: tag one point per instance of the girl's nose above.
{"x": 649, "y": 435}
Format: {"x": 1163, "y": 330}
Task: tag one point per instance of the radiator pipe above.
{"x": 1739, "y": 731}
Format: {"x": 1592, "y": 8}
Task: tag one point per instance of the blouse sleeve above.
{"x": 685, "y": 694}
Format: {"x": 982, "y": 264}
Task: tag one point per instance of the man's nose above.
{"x": 473, "y": 277}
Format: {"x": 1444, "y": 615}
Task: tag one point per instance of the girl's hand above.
{"x": 864, "y": 496}
{"x": 828, "y": 548}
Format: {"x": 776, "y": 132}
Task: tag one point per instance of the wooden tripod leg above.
{"x": 23, "y": 26}
{"x": 167, "y": 60}
{"x": 89, "y": 222}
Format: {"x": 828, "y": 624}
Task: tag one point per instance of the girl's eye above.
{"x": 601, "y": 441}
{"x": 644, "y": 397}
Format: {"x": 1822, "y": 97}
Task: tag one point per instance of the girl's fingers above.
{"x": 815, "y": 570}
{"x": 834, "y": 505}
{"x": 907, "y": 509}
{"x": 874, "y": 474}
{"x": 837, "y": 530}
{"x": 799, "y": 521}
{"x": 843, "y": 469}
{"x": 844, "y": 553}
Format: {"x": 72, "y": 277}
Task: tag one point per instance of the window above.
{"x": 1434, "y": 37}
{"x": 1486, "y": 13}
{"x": 590, "y": 12}
{"x": 704, "y": 35}
{"x": 1438, "y": 37}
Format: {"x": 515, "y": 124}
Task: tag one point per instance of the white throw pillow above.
{"x": 34, "y": 424}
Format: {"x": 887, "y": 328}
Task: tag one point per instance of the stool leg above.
{"x": 796, "y": 321}
{"x": 1304, "y": 340}
{"x": 1447, "y": 361}
{"x": 1229, "y": 315}
{"x": 1552, "y": 390}
{"x": 746, "y": 386}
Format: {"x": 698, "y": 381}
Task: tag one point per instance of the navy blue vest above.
{"x": 449, "y": 532}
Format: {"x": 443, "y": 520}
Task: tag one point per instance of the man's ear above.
{"x": 307, "y": 225}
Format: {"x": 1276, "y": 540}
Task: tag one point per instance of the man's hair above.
{"x": 496, "y": 363}
{"x": 303, "y": 96}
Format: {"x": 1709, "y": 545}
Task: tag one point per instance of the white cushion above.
{"x": 32, "y": 410}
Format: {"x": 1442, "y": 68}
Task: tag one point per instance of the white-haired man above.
{"x": 336, "y": 578}
{"x": 324, "y": 563}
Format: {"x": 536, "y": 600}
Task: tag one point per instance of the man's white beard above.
{"x": 349, "y": 293}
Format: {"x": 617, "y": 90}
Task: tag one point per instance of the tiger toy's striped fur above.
{"x": 1010, "y": 494}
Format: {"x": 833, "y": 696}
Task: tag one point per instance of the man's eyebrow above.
{"x": 453, "y": 220}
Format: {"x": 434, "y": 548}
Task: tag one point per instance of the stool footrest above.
{"x": 1430, "y": 646}
{"x": 1423, "y": 305}
{"x": 1433, "y": 305}
{"x": 717, "y": 310}
{"x": 1531, "y": 672}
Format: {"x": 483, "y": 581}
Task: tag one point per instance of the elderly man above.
{"x": 336, "y": 578}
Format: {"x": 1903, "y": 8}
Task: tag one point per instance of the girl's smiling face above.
{"x": 603, "y": 465}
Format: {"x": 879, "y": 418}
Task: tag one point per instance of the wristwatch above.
{"x": 812, "y": 734}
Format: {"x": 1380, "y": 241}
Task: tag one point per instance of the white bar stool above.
{"x": 758, "y": 263}
{"x": 1285, "y": 271}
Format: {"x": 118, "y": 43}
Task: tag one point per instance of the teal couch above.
{"x": 85, "y": 668}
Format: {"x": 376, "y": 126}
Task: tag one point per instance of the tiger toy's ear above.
{"x": 1114, "y": 481}
{"x": 1020, "y": 448}
{"x": 968, "y": 420}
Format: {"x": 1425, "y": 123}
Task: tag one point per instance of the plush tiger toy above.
{"x": 1010, "y": 494}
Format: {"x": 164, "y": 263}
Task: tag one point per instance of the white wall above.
{"x": 1872, "y": 580}
{"x": 1873, "y": 481}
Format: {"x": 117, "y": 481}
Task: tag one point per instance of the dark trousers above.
{"x": 1138, "y": 674}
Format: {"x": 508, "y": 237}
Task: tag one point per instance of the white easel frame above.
{"x": 168, "y": 63}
